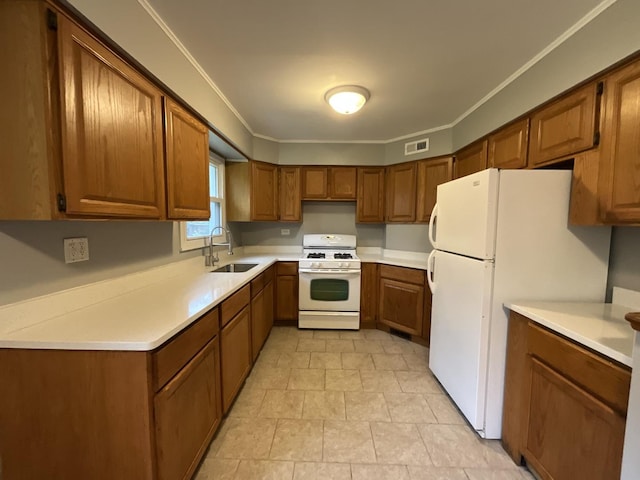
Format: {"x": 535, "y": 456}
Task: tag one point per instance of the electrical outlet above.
{"x": 285, "y": 231}
{"x": 76, "y": 249}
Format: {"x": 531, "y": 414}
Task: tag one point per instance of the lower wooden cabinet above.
{"x": 368, "y": 295}
{"x": 402, "y": 299}
{"x": 235, "y": 355}
{"x": 286, "y": 295}
{"x": 261, "y": 310}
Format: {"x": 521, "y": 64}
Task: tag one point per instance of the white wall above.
{"x": 331, "y": 154}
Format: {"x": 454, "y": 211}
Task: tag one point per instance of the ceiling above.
{"x": 425, "y": 62}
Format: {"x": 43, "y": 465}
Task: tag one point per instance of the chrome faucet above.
{"x": 212, "y": 257}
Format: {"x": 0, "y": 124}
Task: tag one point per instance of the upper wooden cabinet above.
{"x": 187, "y": 157}
{"x": 328, "y": 183}
{"x": 508, "y": 146}
{"x": 251, "y": 191}
{"x": 290, "y": 195}
{"x": 401, "y": 192}
{"x": 619, "y": 172}
{"x": 431, "y": 173}
{"x": 370, "y": 203}
{"x": 470, "y": 159}
{"x": 566, "y": 126}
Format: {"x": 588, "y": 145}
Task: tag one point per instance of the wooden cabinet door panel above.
{"x": 342, "y": 183}
{"x": 187, "y": 160}
{"x": 370, "y": 202}
{"x": 564, "y": 127}
{"x": 315, "y": 183}
{"x": 470, "y": 159}
{"x": 111, "y": 132}
{"x": 401, "y": 192}
{"x": 187, "y": 413}
{"x": 431, "y": 173}
{"x": 619, "y": 182}
{"x": 258, "y": 321}
{"x": 508, "y": 147}
{"x": 287, "y": 297}
{"x": 401, "y": 306}
{"x": 235, "y": 356}
{"x": 290, "y": 195}
{"x": 268, "y": 309}
{"x": 570, "y": 434}
{"x": 369, "y": 295}
{"x": 264, "y": 192}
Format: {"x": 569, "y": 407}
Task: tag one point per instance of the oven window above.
{"x": 329, "y": 289}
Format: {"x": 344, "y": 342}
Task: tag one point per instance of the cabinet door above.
{"x": 287, "y": 297}
{"x": 290, "y": 194}
{"x": 258, "y": 321}
{"x": 264, "y": 192}
{"x": 187, "y": 413}
{"x": 187, "y": 157}
{"x": 268, "y": 309}
{"x": 342, "y": 183}
{"x": 431, "y": 173}
{"x": 570, "y": 434}
{"x": 508, "y": 147}
{"x": 235, "y": 356}
{"x": 564, "y": 127}
{"x": 370, "y": 203}
{"x": 619, "y": 182}
{"x": 470, "y": 159}
{"x": 315, "y": 183}
{"x": 369, "y": 295}
{"x": 401, "y": 192}
{"x": 111, "y": 132}
{"x": 401, "y": 306}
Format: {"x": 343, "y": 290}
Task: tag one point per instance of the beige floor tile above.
{"x": 322, "y": 471}
{"x": 280, "y": 345}
{"x": 366, "y": 406}
{"x": 496, "y": 456}
{"x": 295, "y": 332}
{"x": 268, "y": 378}
{"x": 281, "y": 404}
{"x": 409, "y": 408}
{"x": 444, "y": 409}
{"x": 324, "y": 405}
{"x": 217, "y": 469}
{"x": 352, "y": 334}
{"x": 343, "y": 380}
{"x": 436, "y": 473}
{"x": 389, "y": 361}
{"x": 247, "y": 438}
{"x": 326, "y": 334}
{"x": 299, "y": 440}
{"x": 399, "y": 443}
{"x": 491, "y": 474}
{"x": 415, "y": 361}
{"x": 267, "y": 358}
{"x": 311, "y": 345}
{"x": 325, "y": 360}
{"x": 421, "y": 350}
{"x": 453, "y": 446}
{"x": 376, "y": 335}
{"x": 379, "y": 381}
{"x": 293, "y": 360}
{"x": 393, "y": 346}
{"x": 348, "y": 442}
{"x": 306, "y": 379}
{"x": 248, "y": 403}
{"x": 379, "y": 472}
{"x": 340, "y": 346}
{"x": 368, "y": 346}
{"x": 418, "y": 382}
{"x": 357, "y": 361}
{"x": 264, "y": 470}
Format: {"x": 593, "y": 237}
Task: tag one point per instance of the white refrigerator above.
{"x": 498, "y": 236}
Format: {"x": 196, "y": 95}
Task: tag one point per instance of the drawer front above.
{"x": 176, "y": 352}
{"x": 409, "y": 275}
{"x": 232, "y": 305}
{"x": 287, "y": 268}
{"x": 257, "y": 284}
{"x": 603, "y": 378}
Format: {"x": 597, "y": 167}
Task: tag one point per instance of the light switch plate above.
{"x": 285, "y": 231}
{"x": 76, "y": 249}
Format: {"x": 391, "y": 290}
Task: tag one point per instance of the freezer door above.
{"x": 465, "y": 215}
{"x": 460, "y": 322}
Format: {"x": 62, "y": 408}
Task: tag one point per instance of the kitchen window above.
{"x": 192, "y": 234}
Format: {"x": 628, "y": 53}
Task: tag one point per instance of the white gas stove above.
{"x": 329, "y": 294}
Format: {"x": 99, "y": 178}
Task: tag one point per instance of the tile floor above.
{"x": 336, "y": 405}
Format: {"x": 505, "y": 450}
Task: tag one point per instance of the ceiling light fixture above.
{"x": 348, "y": 99}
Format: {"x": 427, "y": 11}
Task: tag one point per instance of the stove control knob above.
{"x": 341, "y": 264}
{"x": 347, "y": 264}
{"x": 315, "y": 264}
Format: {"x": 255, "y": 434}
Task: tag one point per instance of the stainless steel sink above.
{"x": 234, "y": 268}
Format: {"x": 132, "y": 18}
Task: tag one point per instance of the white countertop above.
{"x": 599, "y": 326}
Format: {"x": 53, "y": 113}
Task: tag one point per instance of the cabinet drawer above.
{"x": 232, "y": 305}
{"x": 176, "y": 352}
{"x": 257, "y": 284}
{"x": 410, "y": 275}
{"x": 287, "y": 268}
{"x": 603, "y": 378}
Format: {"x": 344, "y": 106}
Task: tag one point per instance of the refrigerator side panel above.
{"x": 459, "y": 331}
{"x": 466, "y": 215}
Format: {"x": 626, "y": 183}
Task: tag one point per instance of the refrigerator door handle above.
{"x": 432, "y": 219}
{"x": 430, "y": 281}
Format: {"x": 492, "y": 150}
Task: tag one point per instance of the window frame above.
{"x": 187, "y": 244}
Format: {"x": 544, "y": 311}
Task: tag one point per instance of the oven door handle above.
{"x": 328, "y": 270}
